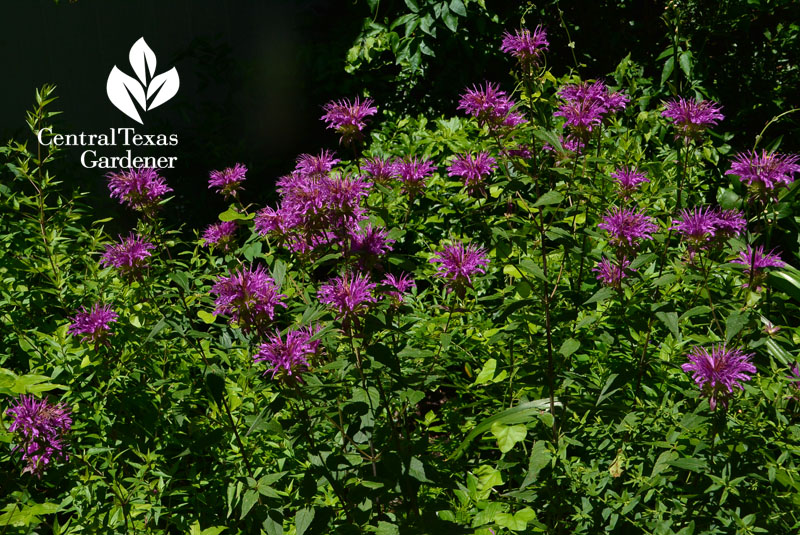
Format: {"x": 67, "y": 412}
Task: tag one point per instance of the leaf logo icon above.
{"x": 148, "y": 90}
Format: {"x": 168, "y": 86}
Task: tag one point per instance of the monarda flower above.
{"x": 347, "y": 118}
{"x": 141, "y": 189}
{"x": 220, "y": 235}
{"x": 249, "y": 297}
{"x": 412, "y": 173}
{"x": 755, "y": 262}
{"x": 316, "y": 166}
{"x": 490, "y": 106}
{"x": 39, "y": 430}
{"x": 526, "y": 46}
{"x": 369, "y": 241}
{"x": 472, "y": 169}
{"x": 611, "y": 274}
{"x": 228, "y": 182}
{"x": 396, "y": 287}
{"x": 718, "y": 371}
{"x": 692, "y": 117}
{"x": 585, "y": 106}
{"x": 706, "y": 227}
{"x": 93, "y": 325}
{"x": 379, "y": 169}
{"x": 458, "y": 264}
{"x": 628, "y": 179}
{"x": 626, "y": 227}
{"x": 349, "y": 295}
{"x": 129, "y": 256}
{"x": 288, "y": 356}
{"x": 765, "y": 172}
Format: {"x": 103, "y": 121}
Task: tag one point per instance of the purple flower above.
{"x": 458, "y": 264}
{"x": 766, "y": 171}
{"x": 490, "y": 106}
{"x": 398, "y": 286}
{"x": 718, "y": 371}
{"x": 369, "y": 241}
{"x": 585, "y": 105}
{"x": 348, "y": 118}
{"x": 729, "y": 223}
{"x": 316, "y": 166}
{"x": 129, "y": 256}
{"x": 379, "y": 169}
{"x": 40, "y": 428}
{"x": 525, "y": 45}
{"x": 629, "y": 179}
{"x": 349, "y": 294}
{"x": 794, "y": 377}
{"x": 692, "y": 117}
{"x": 697, "y": 225}
{"x": 611, "y": 274}
{"x": 626, "y": 227}
{"x": 220, "y": 235}
{"x": 289, "y": 355}
{"x": 413, "y": 172}
{"x": 755, "y": 262}
{"x": 249, "y": 296}
{"x": 141, "y": 189}
{"x": 472, "y": 169}
{"x": 93, "y": 324}
{"x": 228, "y": 181}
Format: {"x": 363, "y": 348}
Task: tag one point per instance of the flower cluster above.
{"x": 290, "y": 355}
{"x": 627, "y": 226}
{"x": 756, "y": 261}
{"x": 220, "y": 235}
{"x": 249, "y": 296}
{"x": 129, "y": 256}
{"x": 765, "y": 172}
{"x": 347, "y": 118}
{"x": 141, "y": 189}
{"x": 318, "y": 207}
{"x": 716, "y": 372}
{"x": 368, "y": 243}
{"x": 628, "y": 179}
{"x": 348, "y": 294}
{"x": 397, "y": 286}
{"x": 40, "y": 428}
{"x": 472, "y": 169}
{"x": 93, "y": 325}
{"x": 412, "y": 173}
{"x": 704, "y": 227}
{"x": 228, "y": 182}
{"x": 458, "y": 264}
{"x": 610, "y": 273}
{"x": 692, "y": 117}
{"x": 528, "y": 47}
{"x": 585, "y": 105}
{"x": 490, "y": 106}
{"x": 380, "y": 170}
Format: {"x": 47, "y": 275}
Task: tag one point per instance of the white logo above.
{"x": 124, "y": 90}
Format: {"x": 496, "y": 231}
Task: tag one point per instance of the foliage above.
{"x": 530, "y": 398}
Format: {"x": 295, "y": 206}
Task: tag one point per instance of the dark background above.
{"x": 255, "y": 74}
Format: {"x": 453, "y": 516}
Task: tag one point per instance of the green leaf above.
{"x": 303, "y": 519}
{"x": 522, "y": 413}
{"x": 279, "y": 272}
{"x": 385, "y": 528}
{"x": 487, "y": 372}
{"x": 417, "y": 470}
{"x": 786, "y": 280}
{"x": 207, "y": 317}
{"x": 540, "y": 457}
{"x": 551, "y": 197}
{"x": 685, "y": 60}
{"x": 508, "y": 435}
{"x": 735, "y": 323}
{"x": 670, "y": 319}
{"x": 569, "y": 347}
{"x": 600, "y": 295}
{"x": 457, "y": 7}
{"x": 669, "y": 66}
{"x": 249, "y": 500}
{"x": 663, "y": 462}
{"x": 232, "y": 215}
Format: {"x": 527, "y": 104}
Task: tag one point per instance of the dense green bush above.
{"x": 531, "y": 391}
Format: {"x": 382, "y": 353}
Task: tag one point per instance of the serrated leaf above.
{"x": 670, "y": 319}
{"x": 734, "y": 324}
{"x": 303, "y": 519}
